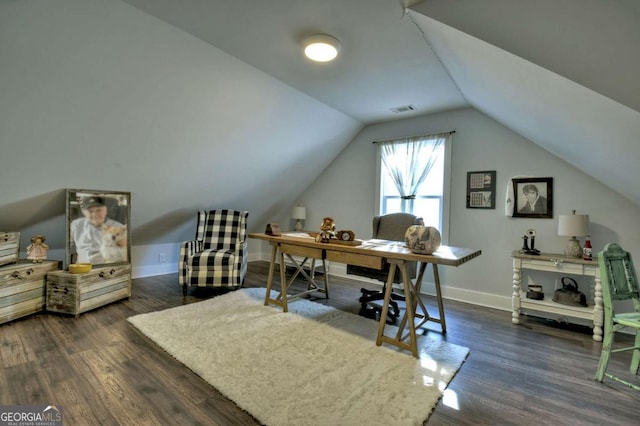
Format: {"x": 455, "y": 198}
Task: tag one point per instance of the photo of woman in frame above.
{"x": 97, "y": 227}
{"x": 533, "y": 197}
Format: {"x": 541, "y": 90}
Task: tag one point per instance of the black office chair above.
{"x": 387, "y": 227}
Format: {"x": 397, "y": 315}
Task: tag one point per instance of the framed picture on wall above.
{"x": 97, "y": 225}
{"x": 533, "y": 197}
{"x": 481, "y": 189}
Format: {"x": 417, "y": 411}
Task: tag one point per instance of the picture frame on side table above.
{"x": 533, "y": 197}
{"x": 481, "y": 189}
{"x": 98, "y": 227}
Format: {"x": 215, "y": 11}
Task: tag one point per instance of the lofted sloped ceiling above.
{"x": 384, "y": 61}
{"x": 562, "y": 74}
{"x": 595, "y": 43}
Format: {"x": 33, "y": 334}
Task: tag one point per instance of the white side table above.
{"x": 557, "y": 263}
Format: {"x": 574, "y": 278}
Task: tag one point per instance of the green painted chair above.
{"x": 619, "y": 282}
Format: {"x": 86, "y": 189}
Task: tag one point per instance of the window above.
{"x": 413, "y": 177}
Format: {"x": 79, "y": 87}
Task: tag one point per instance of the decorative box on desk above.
{"x": 74, "y": 294}
{"x": 558, "y": 263}
{"x": 9, "y": 247}
{"x": 22, "y": 288}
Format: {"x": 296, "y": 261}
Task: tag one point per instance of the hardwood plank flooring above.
{"x": 103, "y": 372}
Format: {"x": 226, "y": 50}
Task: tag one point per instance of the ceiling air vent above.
{"x": 403, "y": 108}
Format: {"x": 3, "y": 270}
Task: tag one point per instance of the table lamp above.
{"x": 573, "y": 225}
{"x": 299, "y": 214}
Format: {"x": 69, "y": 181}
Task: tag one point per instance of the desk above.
{"x": 371, "y": 254}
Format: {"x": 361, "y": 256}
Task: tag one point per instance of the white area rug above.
{"x": 314, "y": 365}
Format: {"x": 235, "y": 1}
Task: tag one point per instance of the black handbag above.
{"x": 569, "y": 293}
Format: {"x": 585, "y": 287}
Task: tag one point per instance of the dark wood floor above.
{"x": 103, "y": 372}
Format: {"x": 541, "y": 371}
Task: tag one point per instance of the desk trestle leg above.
{"x": 283, "y": 297}
{"x": 413, "y": 302}
{"x": 412, "y": 344}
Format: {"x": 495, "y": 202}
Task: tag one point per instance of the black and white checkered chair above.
{"x": 218, "y": 255}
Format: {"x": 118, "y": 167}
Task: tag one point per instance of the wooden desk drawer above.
{"x": 314, "y": 253}
{"x": 355, "y": 259}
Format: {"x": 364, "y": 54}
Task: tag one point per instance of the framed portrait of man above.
{"x": 533, "y": 197}
{"x": 97, "y": 226}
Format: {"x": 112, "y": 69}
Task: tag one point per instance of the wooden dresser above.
{"x": 22, "y": 288}
{"x": 77, "y": 293}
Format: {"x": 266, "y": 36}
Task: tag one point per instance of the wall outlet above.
{"x": 162, "y": 258}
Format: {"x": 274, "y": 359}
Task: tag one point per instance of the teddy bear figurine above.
{"x": 327, "y": 230}
{"x": 37, "y": 250}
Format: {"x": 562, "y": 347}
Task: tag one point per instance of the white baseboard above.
{"x": 155, "y": 259}
{"x": 449, "y": 292}
{"x": 153, "y": 270}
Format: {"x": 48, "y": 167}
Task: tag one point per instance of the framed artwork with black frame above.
{"x": 533, "y": 197}
{"x": 97, "y": 225}
{"x": 481, "y": 189}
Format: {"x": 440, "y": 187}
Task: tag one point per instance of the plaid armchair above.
{"x": 218, "y": 255}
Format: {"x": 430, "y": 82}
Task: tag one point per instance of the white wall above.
{"x": 346, "y": 191}
{"x": 96, "y": 94}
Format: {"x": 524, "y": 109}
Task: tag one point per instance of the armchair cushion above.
{"x": 212, "y": 258}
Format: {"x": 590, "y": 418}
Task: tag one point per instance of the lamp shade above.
{"x": 299, "y": 213}
{"x": 573, "y": 225}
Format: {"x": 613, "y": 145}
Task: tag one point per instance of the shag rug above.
{"x": 314, "y": 365}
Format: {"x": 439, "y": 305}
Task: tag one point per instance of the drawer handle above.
{"x": 556, "y": 262}
{"x": 103, "y": 274}
{"x": 19, "y": 276}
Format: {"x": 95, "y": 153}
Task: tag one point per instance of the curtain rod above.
{"x": 417, "y": 136}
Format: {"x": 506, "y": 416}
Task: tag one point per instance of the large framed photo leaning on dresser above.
{"x": 98, "y": 233}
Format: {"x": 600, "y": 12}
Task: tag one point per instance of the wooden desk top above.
{"x": 445, "y": 255}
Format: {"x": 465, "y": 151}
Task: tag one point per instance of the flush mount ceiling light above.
{"x": 321, "y": 47}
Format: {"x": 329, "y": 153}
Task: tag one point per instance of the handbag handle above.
{"x": 565, "y": 285}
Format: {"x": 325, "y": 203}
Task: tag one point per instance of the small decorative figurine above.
{"x": 529, "y": 236}
{"x": 37, "y": 250}
{"x": 327, "y": 230}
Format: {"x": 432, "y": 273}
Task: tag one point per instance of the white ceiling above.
{"x": 384, "y": 62}
{"x": 562, "y": 74}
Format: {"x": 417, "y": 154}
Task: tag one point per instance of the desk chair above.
{"x": 619, "y": 282}
{"x": 387, "y": 227}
